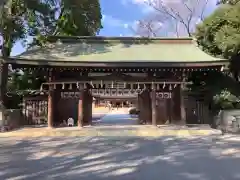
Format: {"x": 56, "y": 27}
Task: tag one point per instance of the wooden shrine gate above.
{"x": 151, "y": 95}
{"x": 34, "y": 106}
{"x": 35, "y": 110}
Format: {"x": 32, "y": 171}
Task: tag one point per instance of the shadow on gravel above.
{"x": 119, "y": 158}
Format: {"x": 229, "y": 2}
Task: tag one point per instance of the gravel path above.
{"x": 119, "y": 158}
{"x": 117, "y": 117}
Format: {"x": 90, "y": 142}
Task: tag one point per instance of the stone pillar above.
{"x": 182, "y": 105}
{"x": 50, "y": 109}
{"x": 153, "y": 102}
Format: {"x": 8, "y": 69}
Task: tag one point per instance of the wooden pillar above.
{"x": 50, "y": 109}
{"x": 153, "y": 102}
{"x": 170, "y": 110}
{"x": 182, "y": 105}
{"x": 145, "y": 114}
{"x": 85, "y": 108}
{"x": 140, "y": 108}
{"x": 88, "y": 109}
{"x": 80, "y": 109}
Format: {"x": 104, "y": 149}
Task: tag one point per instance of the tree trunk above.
{"x": 4, "y": 77}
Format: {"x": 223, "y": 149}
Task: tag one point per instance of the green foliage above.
{"x": 226, "y": 100}
{"x": 231, "y": 2}
{"x": 73, "y": 18}
{"x": 219, "y": 35}
{"x": 79, "y": 18}
{"x": 208, "y": 86}
{"x": 36, "y": 18}
{"x": 19, "y": 80}
{"x": 21, "y": 18}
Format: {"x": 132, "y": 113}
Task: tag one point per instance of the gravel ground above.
{"x": 114, "y": 123}
{"x": 119, "y": 155}
{"x": 119, "y": 158}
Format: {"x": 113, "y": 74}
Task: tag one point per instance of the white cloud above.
{"x": 171, "y": 21}
{"x": 145, "y": 8}
{"x": 140, "y": 3}
{"x": 114, "y": 22}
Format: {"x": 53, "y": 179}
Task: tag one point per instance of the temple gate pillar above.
{"x": 153, "y": 105}
{"x": 87, "y": 111}
{"x": 50, "y": 109}
{"x": 140, "y": 108}
{"x": 182, "y": 105}
{"x": 145, "y": 107}
{"x": 84, "y": 108}
{"x": 56, "y": 99}
{"x": 80, "y": 109}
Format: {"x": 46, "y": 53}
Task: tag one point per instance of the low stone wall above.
{"x": 229, "y": 119}
{"x": 13, "y": 119}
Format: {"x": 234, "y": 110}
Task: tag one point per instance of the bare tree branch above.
{"x": 183, "y": 13}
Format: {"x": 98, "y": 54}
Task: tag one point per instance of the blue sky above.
{"x": 119, "y": 15}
